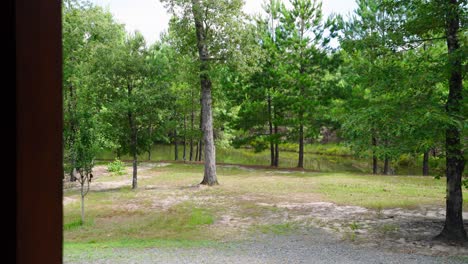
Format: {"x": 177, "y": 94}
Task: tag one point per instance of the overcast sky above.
{"x": 150, "y": 17}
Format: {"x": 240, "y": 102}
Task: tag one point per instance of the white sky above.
{"x": 151, "y": 19}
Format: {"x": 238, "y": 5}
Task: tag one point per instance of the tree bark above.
{"x": 82, "y": 207}
{"x": 151, "y": 145}
{"x": 73, "y": 172}
{"x": 185, "y": 140}
{"x": 133, "y": 140}
{"x": 200, "y": 150}
{"x": 276, "y": 147}
{"x": 192, "y": 117}
{"x": 425, "y": 166}
{"x": 270, "y": 126}
{"x": 209, "y": 177}
{"x": 455, "y": 162}
{"x": 374, "y": 157}
{"x": 73, "y": 127}
{"x": 300, "y": 163}
{"x": 200, "y": 141}
{"x": 176, "y": 149}
{"x": 135, "y": 171}
{"x": 196, "y": 151}
{"x": 386, "y": 169}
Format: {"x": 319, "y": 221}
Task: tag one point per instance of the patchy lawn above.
{"x": 170, "y": 209}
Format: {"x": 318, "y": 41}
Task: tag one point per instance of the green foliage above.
{"x": 116, "y": 167}
{"x": 272, "y": 75}
{"x": 354, "y": 226}
{"x": 72, "y": 225}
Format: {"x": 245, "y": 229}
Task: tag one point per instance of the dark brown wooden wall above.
{"x": 38, "y": 131}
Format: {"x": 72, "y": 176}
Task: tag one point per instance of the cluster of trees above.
{"x": 393, "y": 85}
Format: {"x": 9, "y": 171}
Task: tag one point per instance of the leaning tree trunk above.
{"x": 209, "y": 177}
{"x": 455, "y": 162}
{"x": 425, "y": 166}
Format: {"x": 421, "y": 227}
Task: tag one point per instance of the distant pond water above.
{"x": 288, "y": 159}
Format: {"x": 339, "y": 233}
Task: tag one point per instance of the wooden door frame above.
{"x": 38, "y": 60}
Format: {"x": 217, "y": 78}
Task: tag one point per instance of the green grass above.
{"x": 98, "y": 251}
{"x": 183, "y": 221}
{"x": 354, "y": 225}
{"x": 379, "y": 192}
{"x": 317, "y": 157}
{"x": 321, "y": 149}
{"x": 137, "y": 243}
{"x": 169, "y": 210}
{"x": 278, "y": 229}
{"x": 73, "y": 225}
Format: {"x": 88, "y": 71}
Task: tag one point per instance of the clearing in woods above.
{"x": 172, "y": 216}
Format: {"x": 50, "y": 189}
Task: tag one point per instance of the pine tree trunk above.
{"x": 176, "y": 148}
{"x": 185, "y": 140}
{"x": 300, "y": 163}
{"x": 200, "y": 150}
{"x": 135, "y": 171}
{"x": 150, "y": 133}
{"x": 196, "y": 152}
{"x": 209, "y": 177}
{"x": 200, "y": 141}
{"x": 192, "y": 117}
{"x": 374, "y": 157}
{"x": 276, "y": 147}
{"x": 270, "y": 126}
{"x": 425, "y": 166}
{"x": 73, "y": 128}
{"x": 386, "y": 169}
{"x": 133, "y": 140}
{"x": 455, "y": 162}
{"x": 73, "y": 172}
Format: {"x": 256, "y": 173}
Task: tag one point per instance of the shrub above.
{"x": 116, "y": 167}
